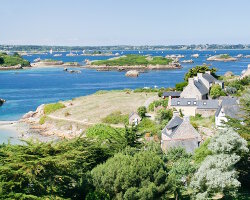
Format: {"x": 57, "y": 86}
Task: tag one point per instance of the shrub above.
{"x": 50, "y": 108}
{"x": 216, "y": 91}
{"x": 116, "y": 118}
{"x": 142, "y": 110}
{"x": 199, "y": 69}
{"x": 164, "y": 115}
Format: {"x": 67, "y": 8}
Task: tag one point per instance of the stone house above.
{"x": 198, "y": 87}
{"x": 192, "y": 106}
{"x": 134, "y": 119}
{"x": 229, "y": 108}
{"x": 180, "y": 133}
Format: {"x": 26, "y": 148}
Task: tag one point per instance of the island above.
{"x": 51, "y": 62}
{"x": 130, "y": 62}
{"x": 222, "y": 57}
{"x": 10, "y": 62}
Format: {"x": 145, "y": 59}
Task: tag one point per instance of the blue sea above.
{"x": 24, "y": 90}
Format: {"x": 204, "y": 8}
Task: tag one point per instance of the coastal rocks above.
{"x": 19, "y": 66}
{"x": 239, "y": 56}
{"x": 222, "y": 57}
{"x": 246, "y": 72}
{"x": 132, "y": 73}
{"x": 46, "y": 63}
{"x": 228, "y": 74}
{"x": 247, "y": 56}
{"x": 195, "y": 55}
{"x": 34, "y": 116}
{"x": 2, "y": 101}
{"x": 187, "y": 61}
{"x": 72, "y": 71}
{"x": 71, "y": 64}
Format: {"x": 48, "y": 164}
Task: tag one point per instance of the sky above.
{"x": 124, "y": 22}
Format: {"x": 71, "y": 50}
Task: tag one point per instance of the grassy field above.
{"x": 94, "y": 108}
{"x": 131, "y": 60}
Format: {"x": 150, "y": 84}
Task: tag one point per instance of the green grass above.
{"x": 225, "y": 56}
{"x": 130, "y": 60}
{"x": 198, "y": 120}
{"x": 116, "y": 118}
{"x": 12, "y": 60}
{"x": 50, "y": 108}
{"x": 42, "y": 119}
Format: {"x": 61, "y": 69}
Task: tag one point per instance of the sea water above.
{"x": 25, "y": 90}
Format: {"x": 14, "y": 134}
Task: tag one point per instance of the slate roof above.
{"x": 208, "y": 104}
{"x": 200, "y": 104}
{"x": 176, "y": 121}
{"x": 209, "y": 78}
{"x": 203, "y": 90}
{"x": 174, "y": 94}
{"x": 230, "y": 108}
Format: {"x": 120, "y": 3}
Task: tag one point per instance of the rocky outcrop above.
{"x": 2, "y": 101}
{"x": 222, "y": 57}
{"x": 228, "y": 74}
{"x": 132, "y": 73}
{"x": 46, "y": 63}
{"x": 187, "y": 61}
{"x": 34, "y": 116}
{"x": 19, "y": 66}
{"x": 71, "y": 64}
{"x": 246, "y": 72}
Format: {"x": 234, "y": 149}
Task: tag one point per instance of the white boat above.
{"x": 57, "y": 55}
{"x": 70, "y": 54}
{"x": 50, "y": 51}
{"x": 37, "y": 60}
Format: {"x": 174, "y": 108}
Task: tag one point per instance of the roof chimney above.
{"x": 186, "y": 119}
{"x": 199, "y": 75}
{"x": 175, "y": 114}
{"x": 190, "y": 81}
{"x": 207, "y": 72}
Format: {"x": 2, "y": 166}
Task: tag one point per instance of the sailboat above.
{"x": 51, "y": 51}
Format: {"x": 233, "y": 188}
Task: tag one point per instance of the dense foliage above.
{"x": 142, "y": 110}
{"x": 199, "y": 69}
{"x": 130, "y": 60}
{"x": 157, "y": 103}
{"x": 216, "y": 91}
{"x": 12, "y": 60}
{"x": 128, "y": 176}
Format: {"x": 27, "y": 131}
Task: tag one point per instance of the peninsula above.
{"x": 140, "y": 62}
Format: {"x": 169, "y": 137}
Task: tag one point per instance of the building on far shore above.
{"x": 134, "y": 119}
{"x": 192, "y": 106}
{"x": 180, "y": 133}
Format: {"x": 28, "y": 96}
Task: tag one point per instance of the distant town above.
{"x": 41, "y": 48}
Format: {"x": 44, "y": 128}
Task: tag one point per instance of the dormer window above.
{"x": 204, "y": 103}
{"x": 189, "y": 102}
{"x": 195, "y": 102}
{"x": 178, "y": 102}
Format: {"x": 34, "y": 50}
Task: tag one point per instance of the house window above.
{"x": 195, "y": 103}
{"x": 178, "y": 103}
{"x": 189, "y": 102}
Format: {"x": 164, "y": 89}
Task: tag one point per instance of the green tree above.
{"x": 142, "y": 110}
{"x": 140, "y": 175}
{"x": 217, "y": 174}
{"x": 216, "y": 91}
{"x": 202, "y": 152}
{"x": 47, "y": 170}
{"x": 180, "y": 86}
{"x": 199, "y": 69}
{"x": 1, "y": 60}
{"x": 163, "y": 115}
